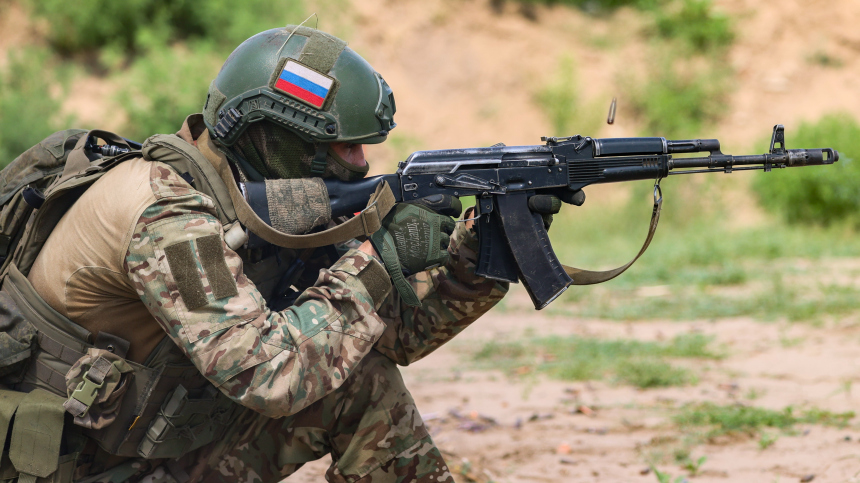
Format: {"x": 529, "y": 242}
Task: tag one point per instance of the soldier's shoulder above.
{"x": 140, "y": 173}
{"x": 167, "y": 183}
{"x": 173, "y": 195}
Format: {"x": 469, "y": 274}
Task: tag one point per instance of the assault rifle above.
{"x": 513, "y": 244}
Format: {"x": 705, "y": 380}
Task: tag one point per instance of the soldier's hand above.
{"x": 420, "y": 232}
{"x": 415, "y": 237}
{"x": 546, "y": 205}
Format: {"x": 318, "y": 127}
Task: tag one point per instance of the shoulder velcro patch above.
{"x": 212, "y": 257}
{"x": 183, "y": 266}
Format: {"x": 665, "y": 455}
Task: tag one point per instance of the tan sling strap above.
{"x": 366, "y": 223}
{"x": 588, "y": 277}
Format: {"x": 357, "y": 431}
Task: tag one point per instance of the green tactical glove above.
{"x": 414, "y": 237}
{"x": 546, "y": 205}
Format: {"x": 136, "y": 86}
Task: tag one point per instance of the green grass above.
{"x": 790, "y": 303}
{"x": 561, "y": 101}
{"x": 719, "y": 420}
{"x": 596, "y": 6}
{"x": 766, "y": 440}
{"x": 637, "y": 363}
{"x": 709, "y": 422}
{"x": 677, "y": 99}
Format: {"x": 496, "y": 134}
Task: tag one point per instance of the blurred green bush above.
{"x": 30, "y": 92}
{"x": 560, "y": 99}
{"x": 136, "y": 25}
{"x": 695, "y": 23}
{"x": 676, "y": 100}
{"x": 596, "y": 6}
{"x": 163, "y": 87}
{"x": 162, "y": 53}
{"x": 679, "y": 94}
{"x": 823, "y": 195}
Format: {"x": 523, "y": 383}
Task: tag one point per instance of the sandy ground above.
{"x": 540, "y": 436}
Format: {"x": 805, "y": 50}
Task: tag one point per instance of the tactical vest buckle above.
{"x": 86, "y": 393}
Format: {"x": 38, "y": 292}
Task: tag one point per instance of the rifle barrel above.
{"x": 788, "y": 158}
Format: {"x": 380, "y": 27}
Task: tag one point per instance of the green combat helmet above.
{"x": 312, "y": 89}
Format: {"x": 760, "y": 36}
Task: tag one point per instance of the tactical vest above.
{"x": 162, "y": 408}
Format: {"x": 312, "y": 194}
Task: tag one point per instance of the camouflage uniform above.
{"x": 319, "y": 377}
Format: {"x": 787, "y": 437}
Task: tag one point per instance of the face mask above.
{"x": 277, "y": 153}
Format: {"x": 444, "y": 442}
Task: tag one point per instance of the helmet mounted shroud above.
{"x": 305, "y": 80}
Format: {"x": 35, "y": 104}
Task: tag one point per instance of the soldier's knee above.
{"x": 375, "y": 378}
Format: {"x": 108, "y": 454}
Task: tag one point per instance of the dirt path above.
{"x": 540, "y": 436}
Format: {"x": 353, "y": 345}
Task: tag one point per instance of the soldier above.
{"x": 276, "y": 378}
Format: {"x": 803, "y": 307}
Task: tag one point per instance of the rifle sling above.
{"x": 588, "y": 277}
{"x": 366, "y": 223}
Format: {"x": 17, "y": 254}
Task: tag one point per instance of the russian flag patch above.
{"x": 304, "y": 84}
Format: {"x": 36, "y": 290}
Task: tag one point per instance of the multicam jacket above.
{"x": 165, "y": 264}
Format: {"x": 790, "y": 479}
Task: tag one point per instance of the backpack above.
{"x": 39, "y": 347}
{"x": 53, "y": 174}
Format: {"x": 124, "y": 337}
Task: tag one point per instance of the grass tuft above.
{"x": 637, "y": 363}
{"x": 649, "y": 372}
{"x": 722, "y": 420}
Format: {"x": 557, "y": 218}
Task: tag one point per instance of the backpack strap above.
{"x": 79, "y": 159}
{"x": 185, "y": 158}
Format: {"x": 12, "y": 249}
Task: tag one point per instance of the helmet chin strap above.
{"x": 320, "y": 160}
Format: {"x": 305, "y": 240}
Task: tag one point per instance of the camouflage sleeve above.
{"x": 452, "y": 297}
{"x": 273, "y": 362}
